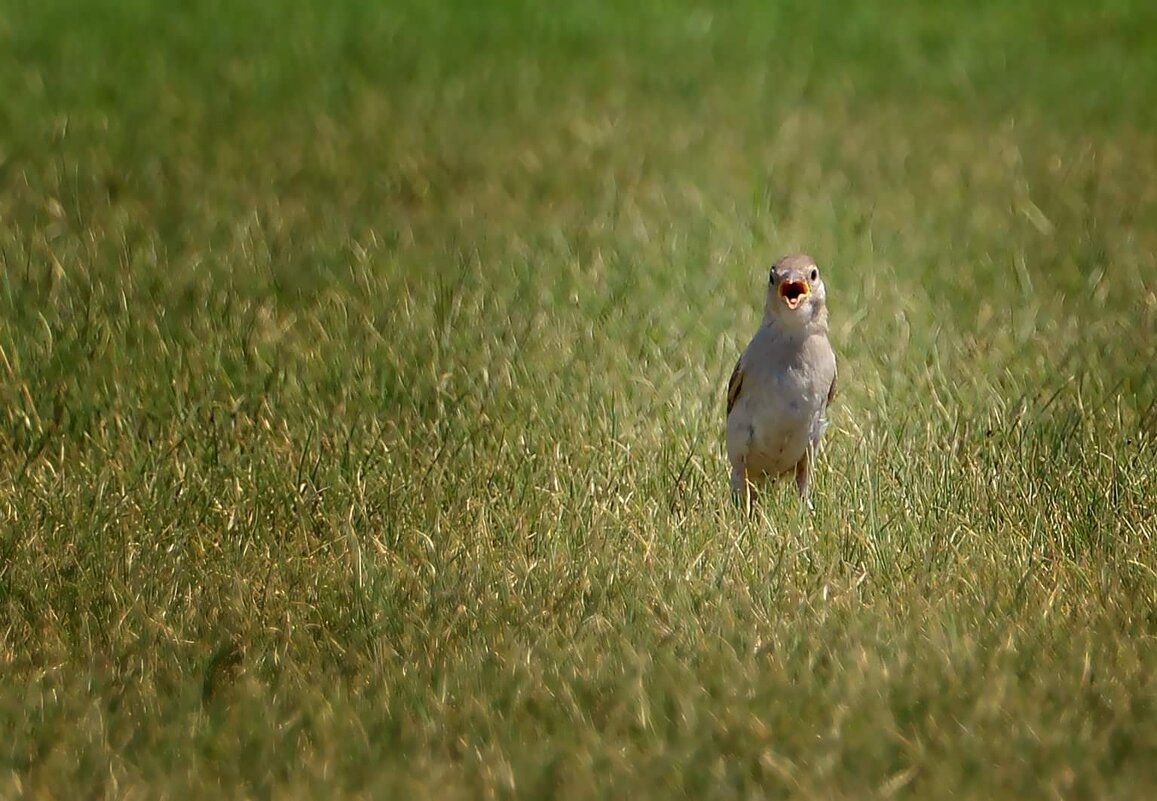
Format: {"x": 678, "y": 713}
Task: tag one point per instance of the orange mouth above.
{"x": 793, "y": 293}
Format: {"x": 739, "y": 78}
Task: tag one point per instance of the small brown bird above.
{"x": 778, "y": 395}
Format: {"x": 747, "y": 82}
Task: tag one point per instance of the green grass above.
{"x": 361, "y": 375}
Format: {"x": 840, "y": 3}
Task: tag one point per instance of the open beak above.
{"x": 793, "y": 293}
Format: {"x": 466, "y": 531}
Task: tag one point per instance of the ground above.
{"x": 362, "y": 371}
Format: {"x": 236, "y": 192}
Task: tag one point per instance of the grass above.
{"x": 361, "y": 372}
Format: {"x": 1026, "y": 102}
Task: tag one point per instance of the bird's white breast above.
{"x": 781, "y": 408}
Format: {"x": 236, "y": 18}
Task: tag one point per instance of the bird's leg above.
{"x": 803, "y": 477}
{"x": 741, "y": 489}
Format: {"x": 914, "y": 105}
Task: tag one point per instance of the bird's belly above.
{"x": 778, "y": 439}
{"x": 777, "y": 450}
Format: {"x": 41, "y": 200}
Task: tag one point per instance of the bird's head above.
{"x": 795, "y": 292}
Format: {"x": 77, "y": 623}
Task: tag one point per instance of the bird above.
{"x": 779, "y": 392}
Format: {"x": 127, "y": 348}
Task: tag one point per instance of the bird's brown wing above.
{"x": 832, "y": 388}
{"x": 734, "y": 384}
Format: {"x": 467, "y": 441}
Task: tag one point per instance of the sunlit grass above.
{"x": 361, "y": 375}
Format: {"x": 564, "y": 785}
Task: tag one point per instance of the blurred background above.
{"x": 977, "y": 182}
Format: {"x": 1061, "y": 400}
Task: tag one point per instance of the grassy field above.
{"x": 361, "y": 400}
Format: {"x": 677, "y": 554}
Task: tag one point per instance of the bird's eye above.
{"x": 771, "y": 277}
{"x": 815, "y": 275}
